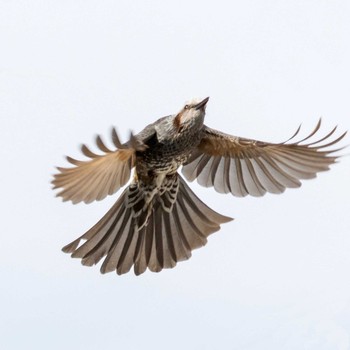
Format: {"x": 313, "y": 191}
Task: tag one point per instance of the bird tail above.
{"x": 148, "y": 233}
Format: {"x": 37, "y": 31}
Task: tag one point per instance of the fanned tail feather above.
{"x": 175, "y": 223}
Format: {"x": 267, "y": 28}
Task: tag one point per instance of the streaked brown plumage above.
{"x": 157, "y": 221}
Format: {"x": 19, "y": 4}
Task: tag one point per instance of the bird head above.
{"x": 192, "y": 114}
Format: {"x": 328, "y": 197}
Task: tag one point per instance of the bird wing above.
{"x": 100, "y": 176}
{"x": 243, "y": 166}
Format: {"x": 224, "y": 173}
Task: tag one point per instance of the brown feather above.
{"x": 97, "y": 177}
{"x": 256, "y": 166}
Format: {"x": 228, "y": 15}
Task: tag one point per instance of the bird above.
{"x": 158, "y": 220}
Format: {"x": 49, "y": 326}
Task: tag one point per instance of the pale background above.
{"x": 275, "y": 278}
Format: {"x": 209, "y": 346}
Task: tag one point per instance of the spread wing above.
{"x": 100, "y": 176}
{"x": 243, "y": 166}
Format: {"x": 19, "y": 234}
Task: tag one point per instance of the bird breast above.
{"x": 168, "y": 153}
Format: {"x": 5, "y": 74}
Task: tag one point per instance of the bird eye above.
{"x": 187, "y": 107}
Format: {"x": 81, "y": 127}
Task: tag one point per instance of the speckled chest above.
{"x": 169, "y": 154}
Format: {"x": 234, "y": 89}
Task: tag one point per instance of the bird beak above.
{"x": 202, "y": 103}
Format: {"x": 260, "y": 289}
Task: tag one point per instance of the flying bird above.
{"x": 158, "y": 220}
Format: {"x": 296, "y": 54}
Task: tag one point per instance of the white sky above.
{"x": 275, "y": 278}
